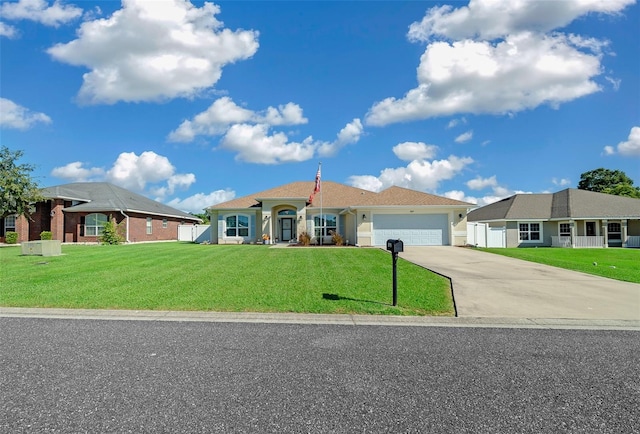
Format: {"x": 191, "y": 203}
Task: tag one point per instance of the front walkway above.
{"x": 490, "y": 285}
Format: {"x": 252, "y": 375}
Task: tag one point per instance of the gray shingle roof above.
{"x": 336, "y": 195}
{"x": 569, "y": 203}
{"x": 102, "y": 196}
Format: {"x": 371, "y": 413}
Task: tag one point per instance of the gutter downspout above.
{"x": 127, "y": 225}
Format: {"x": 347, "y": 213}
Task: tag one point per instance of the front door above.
{"x": 590, "y": 229}
{"x": 287, "y": 229}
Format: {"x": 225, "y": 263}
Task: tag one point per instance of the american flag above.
{"x": 316, "y": 187}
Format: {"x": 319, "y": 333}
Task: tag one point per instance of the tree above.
{"x": 18, "y": 191}
{"x": 203, "y": 216}
{"x": 608, "y": 181}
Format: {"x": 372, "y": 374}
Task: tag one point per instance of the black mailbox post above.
{"x": 395, "y": 247}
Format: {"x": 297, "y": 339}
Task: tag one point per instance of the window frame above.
{"x": 8, "y": 228}
{"x": 237, "y": 230}
{"x": 617, "y": 234}
{"x": 566, "y": 233}
{"x": 320, "y": 225}
{"x": 529, "y": 231}
{"x": 149, "y": 226}
{"x": 94, "y": 228}
{"x": 165, "y": 223}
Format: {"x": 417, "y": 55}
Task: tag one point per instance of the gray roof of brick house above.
{"x": 570, "y": 203}
{"x": 336, "y": 195}
{"x": 103, "y": 196}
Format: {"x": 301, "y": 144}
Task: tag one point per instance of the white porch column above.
{"x": 605, "y": 233}
{"x": 572, "y": 228}
{"x": 623, "y": 227}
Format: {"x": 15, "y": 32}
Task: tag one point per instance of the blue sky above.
{"x": 195, "y": 103}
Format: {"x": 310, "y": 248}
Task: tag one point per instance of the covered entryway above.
{"x": 286, "y": 230}
{"x": 413, "y": 230}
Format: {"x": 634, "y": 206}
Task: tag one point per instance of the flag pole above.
{"x": 322, "y": 219}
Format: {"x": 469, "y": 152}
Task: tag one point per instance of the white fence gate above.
{"x": 482, "y": 235}
{"x": 194, "y": 233}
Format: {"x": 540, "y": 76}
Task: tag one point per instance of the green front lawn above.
{"x": 246, "y": 278}
{"x": 613, "y": 263}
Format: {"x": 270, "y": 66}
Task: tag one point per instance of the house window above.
{"x": 565, "y": 229}
{"x": 165, "y": 223}
{"x": 9, "y": 223}
{"x": 237, "y": 225}
{"x": 614, "y": 232}
{"x": 530, "y": 232}
{"x": 94, "y": 224}
{"x": 149, "y": 225}
{"x": 324, "y": 224}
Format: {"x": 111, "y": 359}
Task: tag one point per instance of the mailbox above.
{"x": 395, "y": 246}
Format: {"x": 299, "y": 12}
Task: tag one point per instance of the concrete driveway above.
{"x": 490, "y": 285}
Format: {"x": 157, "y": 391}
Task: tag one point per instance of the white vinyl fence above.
{"x": 194, "y": 233}
{"x": 482, "y": 235}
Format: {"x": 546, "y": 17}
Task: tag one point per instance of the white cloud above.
{"x": 418, "y": 175}
{"x": 521, "y": 72}
{"x": 455, "y": 122}
{"x": 15, "y": 116}
{"x": 223, "y": 113}
{"x": 480, "y": 183}
{"x": 40, "y": 11}
{"x": 349, "y": 134}
{"x": 254, "y": 144}
{"x": 198, "y": 202}
{"x": 499, "y": 193}
{"x": 561, "y": 182}
{"x": 150, "y": 51}
{"x": 489, "y": 19}
{"x": 499, "y": 56}
{"x": 464, "y": 137}
{"x": 8, "y": 31}
{"x": 628, "y": 148}
{"x": 138, "y": 173}
{"x": 409, "y": 151}
{"x": 134, "y": 172}
{"x": 77, "y": 173}
{"x": 249, "y": 134}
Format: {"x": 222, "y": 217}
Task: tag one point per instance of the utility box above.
{"x": 41, "y": 248}
{"x": 395, "y": 246}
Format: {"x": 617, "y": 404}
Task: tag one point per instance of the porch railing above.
{"x": 580, "y": 242}
{"x": 560, "y": 241}
{"x": 633, "y": 241}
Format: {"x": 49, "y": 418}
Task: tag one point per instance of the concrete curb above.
{"x": 297, "y": 318}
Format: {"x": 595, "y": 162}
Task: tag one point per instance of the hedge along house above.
{"x": 77, "y": 212}
{"x": 361, "y": 217}
{"x": 569, "y": 218}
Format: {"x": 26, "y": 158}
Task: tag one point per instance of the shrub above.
{"x": 336, "y": 238}
{"x": 11, "y": 237}
{"x": 46, "y": 235}
{"x": 111, "y": 233}
{"x": 305, "y": 239}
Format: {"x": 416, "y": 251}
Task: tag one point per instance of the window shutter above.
{"x": 221, "y": 228}
{"x": 82, "y": 226}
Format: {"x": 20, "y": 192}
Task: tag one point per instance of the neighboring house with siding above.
{"x": 569, "y": 218}
{"x": 361, "y": 217}
{"x": 77, "y": 212}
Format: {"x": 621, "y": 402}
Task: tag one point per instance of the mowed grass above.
{"x": 613, "y": 263}
{"x": 245, "y": 278}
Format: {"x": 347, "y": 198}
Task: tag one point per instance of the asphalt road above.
{"x": 72, "y": 375}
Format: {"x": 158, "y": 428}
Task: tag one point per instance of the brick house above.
{"x": 77, "y": 212}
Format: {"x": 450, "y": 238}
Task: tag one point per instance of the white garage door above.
{"x": 413, "y": 230}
